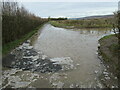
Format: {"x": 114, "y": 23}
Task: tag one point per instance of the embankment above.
{"x": 108, "y": 49}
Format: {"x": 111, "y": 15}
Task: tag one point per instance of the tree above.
{"x": 17, "y": 22}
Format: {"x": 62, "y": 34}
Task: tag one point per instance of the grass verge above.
{"x": 11, "y": 45}
{"x": 106, "y": 37}
{"x": 109, "y": 49}
{"x": 89, "y": 23}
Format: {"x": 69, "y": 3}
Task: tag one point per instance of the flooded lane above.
{"x": 79, "y": 45}
{"x": 58, "y": 58}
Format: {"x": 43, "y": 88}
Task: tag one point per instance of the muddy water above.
{"x": 74, "y": 49}
{"x": 80, "y": 46}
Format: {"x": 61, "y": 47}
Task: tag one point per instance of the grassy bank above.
{"x": 86, "y": 23}
{"x": 109, "y": 51}
{"x": 11, "y": 45}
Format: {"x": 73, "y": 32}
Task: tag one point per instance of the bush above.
{"x": 17, "y": 21}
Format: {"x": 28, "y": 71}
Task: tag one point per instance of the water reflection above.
{"x": 94, "y": 31}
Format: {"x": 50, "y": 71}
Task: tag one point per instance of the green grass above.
{"x": 113, "y": 47}
{"x": 89, "y": 23}
{"x": 106, "y": 37}
{"x": 57, "y": 24}
{"x": 9, "y": 46}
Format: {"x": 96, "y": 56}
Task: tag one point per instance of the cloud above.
{"x": 81, "y": 9}
{"x": 66, "y": 0}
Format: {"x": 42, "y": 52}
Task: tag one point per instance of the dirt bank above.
{"x": 108, "y": 49}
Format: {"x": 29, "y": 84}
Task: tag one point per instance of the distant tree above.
{"x": 55, "y": 19}
{"x": 49, "y": 18}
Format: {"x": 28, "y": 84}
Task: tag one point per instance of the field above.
{"x": 84, "y": 23}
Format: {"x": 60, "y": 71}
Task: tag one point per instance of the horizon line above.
{"x": 77, "y": 17}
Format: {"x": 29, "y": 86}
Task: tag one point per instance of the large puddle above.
{"x": 76, "y": 51}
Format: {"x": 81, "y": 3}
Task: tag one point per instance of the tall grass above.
{"x": 85, "y": 23}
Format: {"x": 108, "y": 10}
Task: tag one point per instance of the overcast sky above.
{"x": 71, "y": 9}
{"x": 68, "y": 0}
